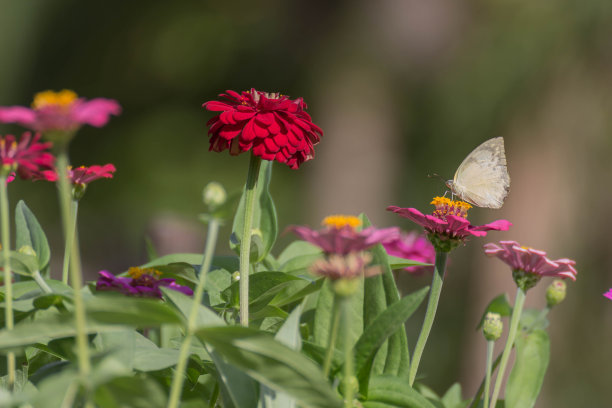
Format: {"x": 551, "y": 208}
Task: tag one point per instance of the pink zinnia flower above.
{"x": 448, "y": 226}
{"x": 61, "y": 111}
{"x": 273, "y": 126}
{"x": 530, "y": 265}
{"x": 339, "y": 236}
{"x": 414, "y": 247}
{"x": 82, "y": 175}
{"x": 142, "y": 283}
{"x": 608, "y": 294}
{"x": 27, "y": 156}
{"x": 349, "y": 266}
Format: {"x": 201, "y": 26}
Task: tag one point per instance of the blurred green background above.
{"x": 401, "y": 88}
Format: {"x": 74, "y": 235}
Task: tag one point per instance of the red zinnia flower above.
{"x": 273, "y": 126}
{"x": 26, "y": 156}
{"x": 530, "y": 265}
{"x": 82, "y": 175}
{"x": 448, "y": 226}
{"x": 340, "y": 236}
{"x": 61, "y": 111}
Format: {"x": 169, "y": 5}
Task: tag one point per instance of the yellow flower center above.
{"x": 63, "y": 98}
{"x": 446, "y": 206}
{"x": 339, "y": 221}
{"x": 136, "y": 272}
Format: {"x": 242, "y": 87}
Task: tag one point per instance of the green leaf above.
{"x": 383, "y": 326}
{"x": 135, "y": 312}
{"x": 238, "y": 390}
{"x": 264, "y": 286}
{"x": 192, "y": 259}
{"x": 205, "y": 316}
{"x": 396, "y": 392}
{"x": 22, "y": 264}
{"x": 272, "y": 364}
{"x": 29, "y": 233}
{"x": 295, "y": 250}
{"x": 323, "y": 314}
{"x": 527, "y": 375}
{"x": 265, "y": 226}
{"x": 400, "y": 263}
{"x": 453, "y": 398}
{"x": 500, "y": 305}
{"x": 130, "y": 391}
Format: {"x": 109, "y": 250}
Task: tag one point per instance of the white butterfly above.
{"x": 482, "y": 178}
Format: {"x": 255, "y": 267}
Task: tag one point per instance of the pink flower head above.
{"x": 530, "y": 265}
{"x": 27, "y": 156}
{"x": 448, "y": 226}
{"x": 142, "y": 283}
{"x": 608, "y": 294}
{"x": 414, "y": 247}
{"x": 339, "y": 236}
{"x": 82, "y": 175}
{"x": 273, "y": 126}
{"x": 61, "y": 111}
{"x": 349, "y": 266}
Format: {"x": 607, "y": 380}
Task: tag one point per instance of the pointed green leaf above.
{"x": 395, "y": 391}
{"x": 237, "y": 389}
{"x": 29, "y": 233}
{"x": 265, "y": 225}
{"x": 527, "y": 375}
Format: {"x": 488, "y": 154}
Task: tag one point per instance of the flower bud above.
{"x": 555, "y": 293}
{"x": 492, "y": 327}
{"x": 214, "y": 195}
{"x": 78, "y": 191}
{"x": 236, "y": 276}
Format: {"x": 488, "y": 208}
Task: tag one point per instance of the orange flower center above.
{"x": 136, "y": 272}
{"x": 446, "y": 206}
{"x": 339, "y": 221}
{"x": 62, "y": 99}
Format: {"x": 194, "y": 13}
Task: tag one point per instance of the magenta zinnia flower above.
{"x": 448, "y": 226}
{"x": 61, "y": 111}
{"x": 608, "y": 294}
{"x": 414, "y": 247}
{"x": 341, "y": 237}
{"x": 530, "y": 265}
{"x": 142, "y": 283}
{"x": 273, "y": 126}
{"x": 27, "y": 156}
{"x": 82, "y": 175}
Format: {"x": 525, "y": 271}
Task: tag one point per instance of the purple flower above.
{"x": 414, "y": 247}
{"x": 61, "y": 111}
{"x": 142, "y": 283}
{"x": 608, "y": 294}
{"x": 448, "y": 226}
{"x": 341, "y": 237}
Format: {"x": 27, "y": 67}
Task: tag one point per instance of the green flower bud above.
{"x": 492, "y": 327}
{"x": 78, "y": 191}
{"x": 214, "y": 195}
{"x": 236, "y": 276}
{"x": 555, "y": 293}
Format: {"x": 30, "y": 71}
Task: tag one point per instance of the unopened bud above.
{"x": 492, "y": 327}
{"x": 236, "y": 276}
{"x": 214, "y": 195}
{"x": 555, "y": 293}
{"x": 78, "y": 191}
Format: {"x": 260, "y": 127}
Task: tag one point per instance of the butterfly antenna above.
{"x": 432, "y": 175}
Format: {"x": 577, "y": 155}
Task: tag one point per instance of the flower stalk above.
{"x": 8, "y": 282}
{"x": 514, "y": 324}
{"x": 487, "y": 385}
{"x": 334, "y": 326}
{"x": 179, "y": 377}
{"x": 430, "y": 314}
{"x": 68, "y": 222}
{"x": 245, "y": 245}
{"x": 349, "y": 382}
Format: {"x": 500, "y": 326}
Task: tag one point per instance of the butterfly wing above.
{"x": 482, "y": 178}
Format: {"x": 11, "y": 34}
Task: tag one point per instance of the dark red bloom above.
{"x": 82, "y": 175}
{"x": 273, "y": 126}
{"x": 27, "y": 156}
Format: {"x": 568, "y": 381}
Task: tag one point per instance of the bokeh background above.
{"x": 402, "y": 89}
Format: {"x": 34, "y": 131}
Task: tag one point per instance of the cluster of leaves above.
{"x": 275, "y": 362}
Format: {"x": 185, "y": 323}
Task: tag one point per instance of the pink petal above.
{"x": 95, "y": 112}
{"x": 17, "y": 114}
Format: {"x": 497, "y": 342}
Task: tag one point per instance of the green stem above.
{"x": 430, "y": 314}
{"x": 476, "y": 401}
{"x": 519, "y": 301}
{"x": 8, "y": 282}
{"x": 490, "y": 345}
{"x": 61, "y": 163}
{"x": 179, "y": 378}
{"x": 70, "y": 247}
{"x": 41, "y": 282}
{"x": 333, "y": 337}
{"x": 245, "y": 245}
{"x": 349, "y": 390}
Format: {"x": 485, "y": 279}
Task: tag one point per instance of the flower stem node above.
{"x": 555, "y": 293}
{"x": 214, "y": 195}
{"x": 78, "y": 191}
{"x": 345, "y": 287}
{"x": 352, "y": 382}
{"x": 443, "y": 243}
{"x": 492, "y": 327}
{"x": 525, "y": 280}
